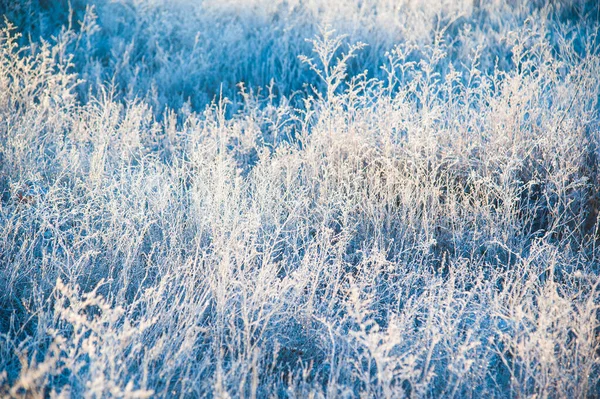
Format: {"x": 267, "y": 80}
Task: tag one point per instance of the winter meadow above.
{"x": 299, "y": 199}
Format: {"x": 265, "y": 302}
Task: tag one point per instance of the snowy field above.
{"x": 299, "y": 199}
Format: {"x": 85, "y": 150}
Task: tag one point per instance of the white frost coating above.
{"x": 299, "y": 199}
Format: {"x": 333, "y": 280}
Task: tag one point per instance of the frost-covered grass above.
{"x": 198, "y": 202}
